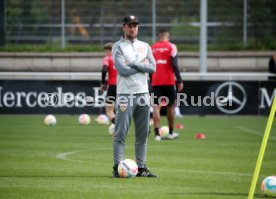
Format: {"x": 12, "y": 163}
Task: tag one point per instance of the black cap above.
{"x": 130, "y": 19}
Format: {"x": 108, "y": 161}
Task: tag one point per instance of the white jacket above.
{"x": 132, "y": 70}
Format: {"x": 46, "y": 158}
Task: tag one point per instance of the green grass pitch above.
{"x": 73, "y": 161}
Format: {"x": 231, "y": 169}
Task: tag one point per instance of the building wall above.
{"x": 92, "y": 62}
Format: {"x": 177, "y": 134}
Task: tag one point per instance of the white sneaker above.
{"x": 178, "y": 115}
{"x": 172, "y": 136}
{"x": 177, "y": 112}
{"x": 157, "y": 138}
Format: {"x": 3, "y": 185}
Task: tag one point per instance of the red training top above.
{"x": 112, "y": 72}
{"x": 163, "y": 51}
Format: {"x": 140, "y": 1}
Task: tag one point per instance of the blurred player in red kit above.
{"x": 110, "y": 85}
{"x": 163, "y": 81}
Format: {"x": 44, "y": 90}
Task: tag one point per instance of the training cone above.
{"x": 200, "y": 136}
{"x": 179, "y": 126}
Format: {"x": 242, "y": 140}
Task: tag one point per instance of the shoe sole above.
{"x": 171, "y": 138}
{"x": 147, "y": 176}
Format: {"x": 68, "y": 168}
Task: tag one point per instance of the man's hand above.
{"x": 180, "y": 86}
{"x": 145, "y": 61}
{"x": 103, "y": 87}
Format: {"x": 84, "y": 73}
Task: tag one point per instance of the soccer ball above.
{"x": 50, "y": 120}
{"x": 111, "y": 129}
{"x": 164, "y": 132}
{"x": 127, "y": 168}
{"x": 269, "y": 186}
{"x": 102, "y": 119}
{"x": 84, "y": 119}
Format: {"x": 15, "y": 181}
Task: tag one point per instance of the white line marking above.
{"x": 64, "y": 156}
{"x": 252, "y": 131}
{"x": 64, "y": 187}
{"x": 209, "y": 172}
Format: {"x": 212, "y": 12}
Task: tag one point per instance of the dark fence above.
{"x": 96, "y": 22}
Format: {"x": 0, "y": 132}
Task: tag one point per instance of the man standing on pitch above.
{"x": 163, "y": 81}
{"x": 133, "y": 60}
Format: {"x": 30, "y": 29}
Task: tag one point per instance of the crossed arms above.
{"x": 125, "y": 68}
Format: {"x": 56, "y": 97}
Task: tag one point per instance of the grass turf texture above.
{"x": 73, "y": 161}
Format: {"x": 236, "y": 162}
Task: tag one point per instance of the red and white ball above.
{"x": 127, "y": 168}
{"x": 164, "y": 132}
{"x": 84, "y": 119}
{"x": 102, "y": 120}
{"x": 50, "y": 120}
